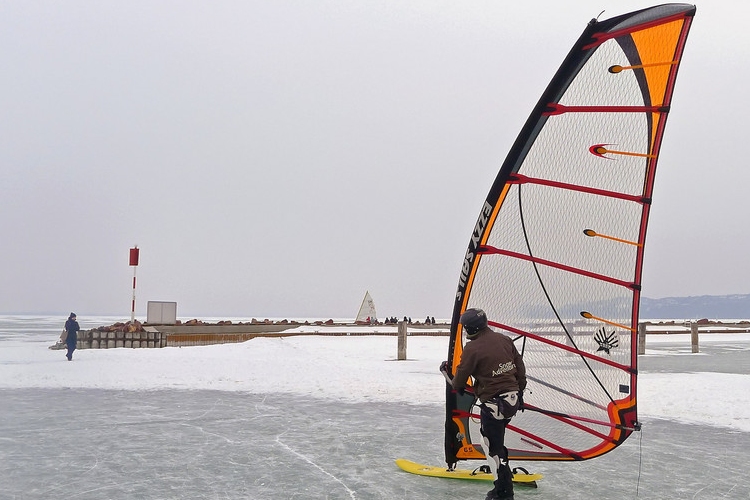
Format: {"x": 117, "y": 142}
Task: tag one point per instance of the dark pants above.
{"x": 71, "y": 348}
{"x": 493, "y": 423}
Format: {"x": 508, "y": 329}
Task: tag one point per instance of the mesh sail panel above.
{"x": 555, "y": 257}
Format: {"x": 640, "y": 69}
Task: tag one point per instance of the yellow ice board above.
{"x": 432, "y": 471}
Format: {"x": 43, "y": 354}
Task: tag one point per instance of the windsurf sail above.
{"x": 367, "y": 313}
{"x": 555, "y": 257}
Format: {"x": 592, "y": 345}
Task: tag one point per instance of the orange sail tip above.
{"x": 588, "y": 315}
{"x": 618, "y": 69}
{"x": 600, "y": 150}
{"x": 591, "y": 233}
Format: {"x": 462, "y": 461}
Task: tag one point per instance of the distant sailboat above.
{"x": 367, "y": 312}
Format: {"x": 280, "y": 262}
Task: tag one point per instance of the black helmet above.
{"x": 473, "y": 321}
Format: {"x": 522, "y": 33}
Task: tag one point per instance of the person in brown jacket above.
{"x": 499, "y": 381}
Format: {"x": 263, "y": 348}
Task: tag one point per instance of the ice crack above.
{"x": 351, "y": 492}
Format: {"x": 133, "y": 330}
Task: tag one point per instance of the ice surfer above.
{"x": 71, "y": 326}
{"x": 499, "y": 380}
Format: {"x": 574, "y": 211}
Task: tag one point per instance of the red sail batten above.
{"x": 564, "y": 347}
{"x": 486, "y": 249}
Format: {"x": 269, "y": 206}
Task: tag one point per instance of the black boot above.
{"x": 493, "y": 495}
{"x": 503, "y": 489}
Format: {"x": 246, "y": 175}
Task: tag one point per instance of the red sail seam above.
{"x": 558, "y": 109}
{"x": 523, "y": 179}
{"x": 464, "y": 414}
{"x": 564, "y": 347}
{"x": 573, "y": 420}
{"x": 486, "y": 249}
{"x": 567, "y": 393}
{"x": 568, "y": 419}
{"x": 549, "y": 444}
{"x": 564, "y": 451}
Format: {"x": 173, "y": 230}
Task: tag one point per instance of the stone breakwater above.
{"x": 130, "y": 336}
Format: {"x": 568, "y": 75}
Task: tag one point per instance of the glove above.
{"x": 444, "y": 367}
{"x": 520, "y": 401}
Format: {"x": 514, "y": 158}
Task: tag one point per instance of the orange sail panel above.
{"x": 555, "y": 257}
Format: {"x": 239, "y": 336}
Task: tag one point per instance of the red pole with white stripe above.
{"x": 134, "y": 254}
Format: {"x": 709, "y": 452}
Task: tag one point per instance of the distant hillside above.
{"x": 704, "y": 306}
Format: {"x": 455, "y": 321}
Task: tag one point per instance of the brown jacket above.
{"x": 494, "y": 362}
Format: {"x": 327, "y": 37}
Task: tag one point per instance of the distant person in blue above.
{"x": 71, "y": 326}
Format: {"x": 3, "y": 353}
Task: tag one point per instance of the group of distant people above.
{"x": 393, "y": 320}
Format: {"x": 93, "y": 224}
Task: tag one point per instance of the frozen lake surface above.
{"x": 66, "y": 433}
{"x": 95, "y": 444}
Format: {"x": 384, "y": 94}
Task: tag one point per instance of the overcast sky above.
{"x": 280, "y": 158}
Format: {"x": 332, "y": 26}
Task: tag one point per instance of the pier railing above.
{"x": 694, "y": 328}
{"x": 156, "y": 336}
{"x": 181, "y": 336}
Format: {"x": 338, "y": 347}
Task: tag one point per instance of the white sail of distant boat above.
{"x": 367, "y": 312}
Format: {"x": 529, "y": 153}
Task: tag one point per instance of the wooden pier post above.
{"x": 641, "y": 338}
{"x": 402, "y": 340}
{"x": 694, "y": 336}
